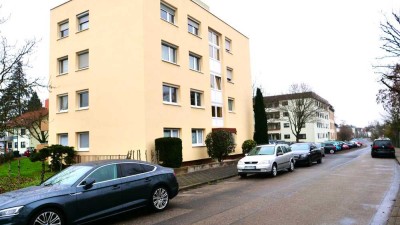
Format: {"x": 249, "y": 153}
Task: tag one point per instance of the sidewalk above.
{"x": 395, "y": 214}
{"x": 197, "y": 178}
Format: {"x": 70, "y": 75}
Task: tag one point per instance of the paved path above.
{"x": 395, "y": 215}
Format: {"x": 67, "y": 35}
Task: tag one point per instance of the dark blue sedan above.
{"x": 90, "y": 191}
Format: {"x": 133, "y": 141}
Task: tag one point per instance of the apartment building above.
{"x": 317, "y": 130}
{"x": 125, "y": 74}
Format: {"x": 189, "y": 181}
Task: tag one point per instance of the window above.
{"x": 167, "y": 13}
{"x": 63, "y": 65}
{"x": 23, "y": 131}
{"x": 197, "y": 137}
{"x": 231, "y": 104}
{"x": 195, "y": 98}
{"x": 83, "y": 60}
{"x": 171, "y": 132}
{"x": 16, "y": 144}
{"x": 130, "y": 169}
{"x": 64, "y": 29}
{"x": 23, "y": 144}
{"x": 83, "y": 21}
{"x": 63, "y": 139}
{"x": 286, "y": 125}
{"x": 213, "y": 40}
{"x": 287, "y": 136}
{"x": 302, "y": 136}
{"x": 216, "y": 111}
{"x": 105, "y": 173}
{"x": 83, "y": 97}
{"x": 286, "y": 114}
{"x": 215, "y": 82}
{"x": 63, "y": 103}
{"x": 194, "y": 62}
{"x": 170, "y": 94}
{"x": 83, "y": 141}
{"x": 228, "y": 43}
{"x": 229, "y": 72}
{"x": 285, "y": 103}
{"x": 193, "y": 27}
{"x": 168, "y": 53}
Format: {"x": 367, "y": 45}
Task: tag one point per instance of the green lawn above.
{"x": 29, "y": 174}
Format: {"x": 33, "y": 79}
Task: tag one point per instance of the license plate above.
{"x": 250, "y": 167}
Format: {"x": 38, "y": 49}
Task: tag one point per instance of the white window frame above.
{"x": 216, "y": 82}
{"x": 193, "y": 26}
{"x": 286, "y": 125}
{"x": 171, "y": 54}
{"x": 61, "y": 138}
{"x": 63, "y": 28}
{"x": 80, "y": 57}
{"x": 196, "y": 61}
{"x": 61, "y": 103}
{"x": 63, "y": 65}
{"x": 23, "y": 144}
{"x": 169, "y": 13}
{"x": 199, "y": 137}
{"x": 79, "y": 135}
{"x": 216, "y": 111}
{"x": 198, "y": 98}
{"x": 174, "y": 132}
{"x": 213, "y": 41}
{"x": 79, "y": 98}
{"x": 231, "y": 104}
{"x": 170, "y": 99}
{"x": 83, "y": 21}
{"x": 229, "y": 74}
{"x": 228, "y": 45}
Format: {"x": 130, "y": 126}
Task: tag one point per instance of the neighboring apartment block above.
{"x": 319, "y": 130}
{"x": 125, "y": 74}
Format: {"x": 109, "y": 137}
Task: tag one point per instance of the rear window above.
{"x": 383, "y": 142}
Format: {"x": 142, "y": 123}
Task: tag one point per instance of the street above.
{"x": 348, "y": 188}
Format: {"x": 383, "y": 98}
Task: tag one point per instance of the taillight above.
{"x": 375, "y": 147}
{"x": 334, "y": 147}
{"x": 391, "y": 147}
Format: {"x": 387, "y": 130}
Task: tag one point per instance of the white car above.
{"x": 266, "y": 159}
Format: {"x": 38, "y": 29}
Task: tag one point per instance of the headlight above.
{"x": 264, "y": 162}
{"x": 10, "y": 211}
{"x": 240, "y": 162}
{"x": 304, "y": 155}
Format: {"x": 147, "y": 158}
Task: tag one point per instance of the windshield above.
{"x": 300, "y": 147}
{"x": 263, "y": 150}
{"x": 68, "y": 176}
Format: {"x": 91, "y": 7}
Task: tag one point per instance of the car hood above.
{"x": 31, "y": 194}
{"x": 300, "y": 152}
{"x": 256, "y": 158}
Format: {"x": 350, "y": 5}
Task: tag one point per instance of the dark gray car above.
{"x": 90, "y": 191}
{"x": 306, "y": 153}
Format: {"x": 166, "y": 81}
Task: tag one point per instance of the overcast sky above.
{"x": 330, "y": 45}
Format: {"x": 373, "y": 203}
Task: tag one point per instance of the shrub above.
{"x": 61, "y": 156}
{"x": 248, "y": 145}
{"x": 169, "y": 151}
{"x": 219, "y": 144}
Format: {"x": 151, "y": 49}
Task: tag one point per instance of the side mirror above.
{"x": 88, "y": 183}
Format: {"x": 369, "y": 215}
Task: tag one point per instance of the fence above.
{"x": 132, "y": 154}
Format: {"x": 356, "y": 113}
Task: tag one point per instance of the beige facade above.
{"x": 125, "y": 74}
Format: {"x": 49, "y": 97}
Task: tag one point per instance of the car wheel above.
{"x": 274, "y": 171}
{"x": 291, "y": 166}
{"x": 332, "y": 151}
{"x": 319, "y": 161}
{"x": 48, "y": 217}
{"x": 309, "y": 162}
{"x": 159, "y": 199}
{"x": 373, "y": 155}
{"x": 243, "y": 175}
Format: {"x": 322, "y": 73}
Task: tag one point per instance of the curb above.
{"x": 187, "y": 187}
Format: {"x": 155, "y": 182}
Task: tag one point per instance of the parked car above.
{"x": 330, "y": 147}
{"x": 28, "y": 151}
{"x": 320, "y": 147}
{"x": 306, "y": 153}
{"x": 90, "y": 191}
{"x": 266, "y": 159}
{"x": 382, "y": 147}
{"x": 352, "y": 144}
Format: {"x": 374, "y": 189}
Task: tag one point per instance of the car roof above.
{"x": 112, "y": 161}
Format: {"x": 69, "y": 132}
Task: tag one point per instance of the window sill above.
{"x": 196, "y": 35}
{"x": 197, "y": 71}
{"x": 63, "y": 111}
{"x": 173, "y": 63}
{"x": 197, "y": 107}
{"x": 231, "y": 82}
{"x": 233, "y": 112}
{"x": 229, "y": 51}
{"x": 80, "y": 31}
{"x": 173, "y": 24}
{"x": 62, "y": 74}
{"x": 83, "y": 150}
{"x": 171, "y": 103}
{"x": 60, "y": 38}
{"x": 86, "y": 68}
{"x": 199, "y": 146}
{"x": 82, "y": 109}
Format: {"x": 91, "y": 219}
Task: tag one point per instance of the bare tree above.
{"x": 302, "y": 106}
{"x": 345, "y": 133}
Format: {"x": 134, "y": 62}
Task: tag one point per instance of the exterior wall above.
{"x": 18, "y": 141}
{"x": 126, "y": 75}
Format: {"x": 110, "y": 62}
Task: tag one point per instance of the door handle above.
{"x": 147, "y": 180}
{"x": 116, "y": 187}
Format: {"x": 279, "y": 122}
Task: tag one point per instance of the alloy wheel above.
{"x": 160, "y": 199}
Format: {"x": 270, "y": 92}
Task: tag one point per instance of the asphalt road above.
{"x": 346, "y": 189}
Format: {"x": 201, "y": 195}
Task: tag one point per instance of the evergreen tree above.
{"x": 34, "y": 103}
{"x": 260, "y": 120}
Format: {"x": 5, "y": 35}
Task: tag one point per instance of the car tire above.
{"x": 309, "y": 163}
{"x": 159, "y": 199}
{"x": 332, "y": 151}
{"x": 274, "y": 170}
{"x": 373, "y": 155}
{"x": 243, "y": 175}
{"x": 319, "y": 161}
{"x": 48, "y": 216}
{"x": 291, "y": 166}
